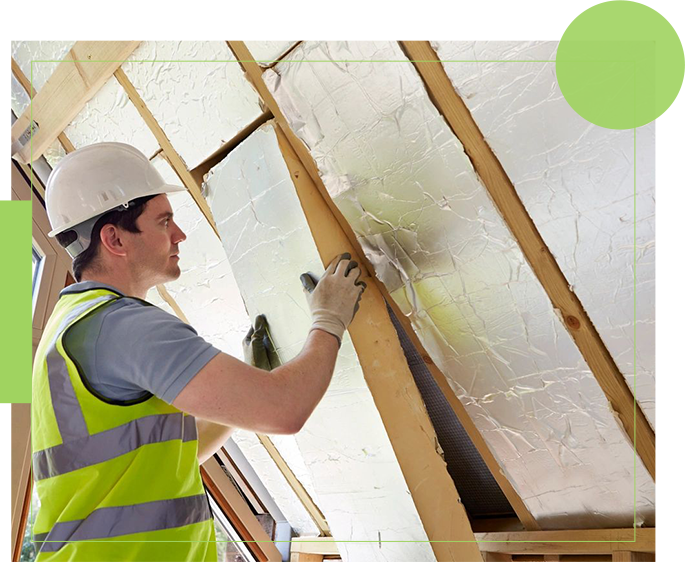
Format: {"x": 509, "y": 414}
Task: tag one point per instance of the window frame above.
{"x": 238, "y": 512}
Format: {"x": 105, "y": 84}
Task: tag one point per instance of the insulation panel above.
{"x": 266, "y": 52}
{"x": 110, "y": 116}
{"x": 576, "y": 182}
{"x": 206, "y": 291}
{"x": 426, "y": 223}
{"x": 20, "y": 99}
{"x": 196, "y": 91}
{"x": 348, "y": 465}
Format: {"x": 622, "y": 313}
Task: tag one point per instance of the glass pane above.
{"x": 228, "y": 545}
{"x": 36, "y": 258}
{"x": 28, "y": 549}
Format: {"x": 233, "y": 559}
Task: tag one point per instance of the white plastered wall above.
{"x": 576, "y": 182}
{"x": 348, "y": 465}
{"x": 426, "y": 223}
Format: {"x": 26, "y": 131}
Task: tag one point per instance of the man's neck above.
{"x": 125, "y": 287}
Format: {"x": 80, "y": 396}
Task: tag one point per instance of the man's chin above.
{"x": 172, "y": 274}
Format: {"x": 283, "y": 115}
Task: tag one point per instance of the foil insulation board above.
{"x": 266, "y": 52}
{"x": 110, "y": 116}
{"x": 196, "y": 91}
{"x": 427, "y": 225}
{"x": 206, "y": 291}
{"x": 576, "y": 181}
{"x": 348, "y": 465}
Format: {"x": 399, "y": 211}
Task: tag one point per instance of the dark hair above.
{"x": 124, "y": 219}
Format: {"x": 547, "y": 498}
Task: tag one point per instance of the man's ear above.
{"x": 111, "y": 240}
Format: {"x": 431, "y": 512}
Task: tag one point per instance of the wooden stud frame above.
{"x": 254, "y": 73}
{"x": 545, "y": 267}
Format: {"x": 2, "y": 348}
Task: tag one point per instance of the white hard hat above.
{"x": 99, "y": 178}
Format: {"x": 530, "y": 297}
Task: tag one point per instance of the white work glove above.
{"x": 334, "y": 301}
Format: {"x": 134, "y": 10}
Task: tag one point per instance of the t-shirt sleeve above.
{"x": 142, "y": 346}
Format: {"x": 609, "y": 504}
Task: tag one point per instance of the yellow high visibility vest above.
{"x": 116, "y": 481}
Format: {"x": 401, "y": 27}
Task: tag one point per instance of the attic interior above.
{"x": 494, "y": 397}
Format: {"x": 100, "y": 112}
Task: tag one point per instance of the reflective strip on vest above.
{"x": 110, "y": 522}
{"x": 112, "y": 443}
{"x": 68, "y": 413}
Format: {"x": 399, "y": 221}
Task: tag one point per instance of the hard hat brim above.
{"x": 166, "y": 188}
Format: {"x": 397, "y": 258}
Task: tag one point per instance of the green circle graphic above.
{"x": 608, "y": 78}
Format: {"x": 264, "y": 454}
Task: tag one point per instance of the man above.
{"x": 127, "y": 399}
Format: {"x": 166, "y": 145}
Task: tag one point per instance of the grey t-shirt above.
{"x": 130, "y": 348}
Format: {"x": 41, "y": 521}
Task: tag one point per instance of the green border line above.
{"x": 634, "y": 287}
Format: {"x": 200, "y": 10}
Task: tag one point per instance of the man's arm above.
{"x": 210, "y": 437}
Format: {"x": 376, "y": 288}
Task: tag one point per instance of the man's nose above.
{"x": 179, "y": 236}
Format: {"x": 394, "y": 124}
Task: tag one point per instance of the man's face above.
{"x": 154, "y": 251}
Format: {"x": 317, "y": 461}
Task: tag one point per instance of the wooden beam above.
{"x": 30, "y": 90}
{"x": 296, "y": 485}
{"x": 254, "y": 74}
{"x": 561, "y": 558}
{"x": 496, "y": 557}
{"x": 170, "y": 153}
{"x": 208, "y": 163}
{"x": 587, "y": 541}
{"x": 238, "y": 512}
{"x": 315, "y": 545}
{"x": 284, "y": 55}
{"x": 548, "y": 272}
{"x": 392, "y": 385}
{"x": 85, "y": 69}
{"x": 305, "y": 557}
{"x": 166, "y": 297}
{"x": 628, "y": 556}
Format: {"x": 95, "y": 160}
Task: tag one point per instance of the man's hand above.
{"x": 258, "y": 349}
{"x": 335, "y": 299}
